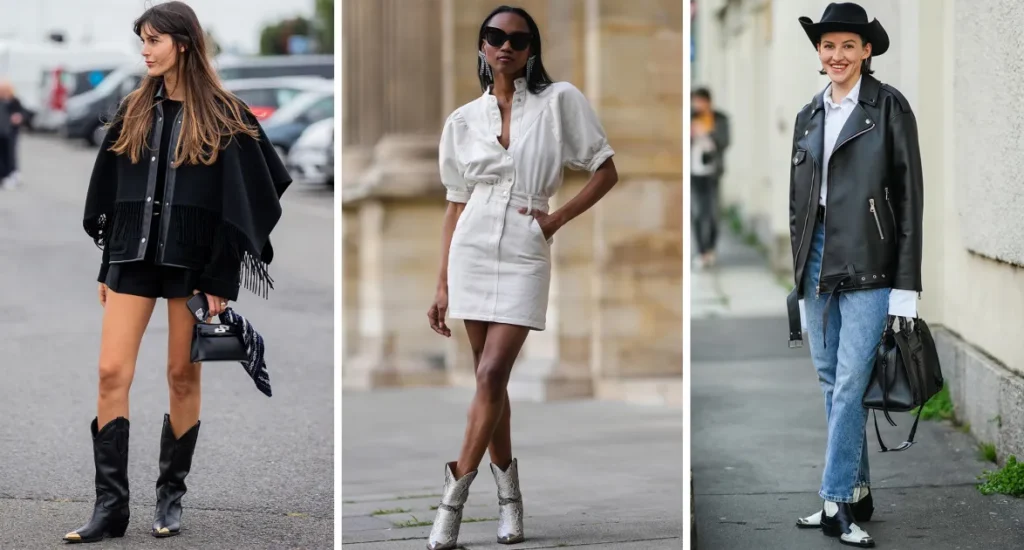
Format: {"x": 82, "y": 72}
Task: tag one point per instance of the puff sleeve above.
{"x": 584, "y": 143}
{"x": 452, "y": 170}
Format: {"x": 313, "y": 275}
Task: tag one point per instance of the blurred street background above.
{"x": 263, "y": 471}
{"x": 605, "y": 379}
{"x": 758, "y": 429}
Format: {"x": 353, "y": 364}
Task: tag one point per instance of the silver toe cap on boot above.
{"x": 445, "y": 533}
{"x": 510, "y": 504}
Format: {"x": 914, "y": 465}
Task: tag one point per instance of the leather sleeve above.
{"x": 909, "y": 194}
{"x": 792, "y": 193}
{"x": 104, "y": 266}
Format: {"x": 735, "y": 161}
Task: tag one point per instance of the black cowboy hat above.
{"x": 847, "y": 17}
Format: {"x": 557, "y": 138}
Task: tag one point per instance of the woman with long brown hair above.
{"x": 183, "y": 197}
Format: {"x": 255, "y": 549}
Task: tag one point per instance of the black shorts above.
{"x": 152, "y": 281}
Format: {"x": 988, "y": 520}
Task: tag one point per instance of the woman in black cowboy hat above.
{"x": 855, "y": 228}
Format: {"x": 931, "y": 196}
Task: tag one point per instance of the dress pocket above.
{"x": 535, "y": 227}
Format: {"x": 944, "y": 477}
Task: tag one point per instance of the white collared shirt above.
{"x": 836, "y": 115}
{"x": 902, "y": 303}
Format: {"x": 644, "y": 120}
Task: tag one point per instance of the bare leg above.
{"x": 183, "y": 376}
{"x": 500, "y": 447}
{"x": 502, "y": 346}
{"x": 125, "y": 318}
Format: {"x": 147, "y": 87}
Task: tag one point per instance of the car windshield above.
{"x": 113, "y": 80}
{"x": 291, "y": 110}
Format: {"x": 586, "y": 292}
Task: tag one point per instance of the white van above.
{"x": 26, "y": 65}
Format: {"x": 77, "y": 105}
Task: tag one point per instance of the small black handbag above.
{"x": 906, "y": 374}
{"x": 214, "y": 342}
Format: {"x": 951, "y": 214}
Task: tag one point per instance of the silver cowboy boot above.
{"x": 510, "y": 504}
{"x": 445, "y": 533}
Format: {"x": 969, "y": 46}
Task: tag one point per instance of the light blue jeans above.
{"x": 844, "y": 359}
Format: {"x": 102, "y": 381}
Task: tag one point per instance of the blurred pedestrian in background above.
{"x": 183, "y": 197}
{"x": 12, "y": 116}
{"x": 709, "y": 138}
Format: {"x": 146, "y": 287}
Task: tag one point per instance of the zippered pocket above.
{"x": 874, "y": 212}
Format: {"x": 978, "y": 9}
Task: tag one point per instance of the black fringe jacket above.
{"x": 215, "y": 219}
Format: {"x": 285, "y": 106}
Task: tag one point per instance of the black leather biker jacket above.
{"x": 874, "y": 204}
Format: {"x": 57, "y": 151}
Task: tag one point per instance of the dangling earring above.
{"x": 529, "y": 66}
{"x": 485, "y": 69}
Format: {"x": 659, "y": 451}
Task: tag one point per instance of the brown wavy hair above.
{"x": 210, "y": 114}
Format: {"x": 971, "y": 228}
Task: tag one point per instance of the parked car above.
{"x": 311, "y": 159}
{"x": 24, "y": 64}
{"x": 231, "y": 67}
{"x": 288, "y": 123}
{"x": 63, "y": 83}
{"x": 87, "y": 113}
{"x": 265, "y": 95}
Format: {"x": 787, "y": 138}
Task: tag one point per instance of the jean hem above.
{"x": 834, "y": 498}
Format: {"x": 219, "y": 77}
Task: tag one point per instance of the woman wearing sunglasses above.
{"x": 501, "y": 161}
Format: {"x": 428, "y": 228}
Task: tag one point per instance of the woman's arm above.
{"x": 451, "y": 217}
{"x": 601, "y": 181}
{"x": 439, "y": 308}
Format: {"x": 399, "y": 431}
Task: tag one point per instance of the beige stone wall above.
{"x": 638, "y": 226}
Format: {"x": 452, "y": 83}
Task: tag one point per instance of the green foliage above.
{"x": 413, "y": 523}
{"x": 325, "y": 22}
{"x": 987, "y": 452}
{"x": 320, "y": 29}
{"x": 939, "y": 407}
{"x": 1009, "y": 480}
{"x": 386, "y": 512}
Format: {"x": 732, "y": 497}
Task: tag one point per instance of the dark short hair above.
{"x": 539, "y": 79}
{"x": 865, "y": 66}
{"x": 701, "y": 92}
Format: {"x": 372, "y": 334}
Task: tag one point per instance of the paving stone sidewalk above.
{"x": 759, "y": 434}
{"x": 593, "y": 474}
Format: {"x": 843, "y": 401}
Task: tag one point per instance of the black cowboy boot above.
{"x": 843, "y": 525}
{"x": 175, "y": 463}
{"x": 110, "y": 513}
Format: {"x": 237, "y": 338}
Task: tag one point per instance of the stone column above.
{"x": 399, "y": 206}
{"x": 390, "y": 190}
{"x": 637, "y": 304}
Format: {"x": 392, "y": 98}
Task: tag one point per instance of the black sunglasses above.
{"x": 497, "y": 38}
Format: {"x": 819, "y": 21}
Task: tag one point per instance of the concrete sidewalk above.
{"x": 594, "y": 474}
{"x": 758, "y": 437}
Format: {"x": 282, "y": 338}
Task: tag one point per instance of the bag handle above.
{"x": 906, "y": 444}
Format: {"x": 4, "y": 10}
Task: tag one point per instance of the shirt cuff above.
{"x": 903, "y": 303}
{"x": 457, "y": 196}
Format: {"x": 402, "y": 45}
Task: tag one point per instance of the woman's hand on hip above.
{"x": 437, "y": 312}
{"x": 548, "y": 223}
{"x": 103, "y": 294}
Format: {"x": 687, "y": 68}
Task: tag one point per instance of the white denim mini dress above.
{"x": 499, "y": 263}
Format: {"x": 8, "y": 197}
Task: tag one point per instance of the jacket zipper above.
{"x": 892, "y": 215}
{"x": 871, "y": 203}
{"x": 803, "y": 230}
{"x": 828, "y": 189}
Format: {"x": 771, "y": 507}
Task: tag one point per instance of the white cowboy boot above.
{"x": 510, "y": 504}
{"x": 445, "y": 533}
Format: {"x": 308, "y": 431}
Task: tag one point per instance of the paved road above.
{"x": 758, "y": 444}
{"x": 601, "y": 475}
{"x": 263, "y": 470}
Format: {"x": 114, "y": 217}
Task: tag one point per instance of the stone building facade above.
{"x": 616, "y": 303}
{"x": 762, "y": 69}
